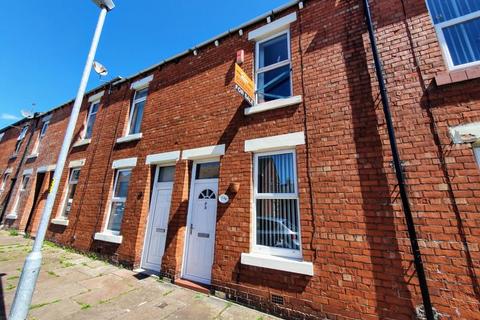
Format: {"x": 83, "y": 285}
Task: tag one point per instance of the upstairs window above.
{"x": 136, "y": 111}
{"x": 457, "y": 23}
{"x": 20, "y": 138}
{"x": 91, "y": 117}
{"x": 71, "y": 188}
{"x": 276, "y": 223}
{"x": 1, "y": 136}
{"x": 42, "y": 133}
{"x": 273, "y": 68}
{"x": 119, "y": 198}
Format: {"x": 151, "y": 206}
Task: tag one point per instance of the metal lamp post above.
{"x": 33, "y": 262}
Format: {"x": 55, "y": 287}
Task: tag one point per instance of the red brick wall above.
{"x": 47, "y": 156}
{"x": 352, "y": 223}
{"x": 16, "y": 164}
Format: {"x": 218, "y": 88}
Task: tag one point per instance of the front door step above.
{"x": 193, "y": 286}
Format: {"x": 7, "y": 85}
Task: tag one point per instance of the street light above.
{"x": 33, "y": 262}
{"x": 107, "y": 4}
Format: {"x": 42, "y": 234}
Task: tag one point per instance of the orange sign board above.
{"x": 244, "y": 85}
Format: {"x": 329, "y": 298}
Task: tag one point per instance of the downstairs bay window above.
{"x": 5, "y": 178}
{"x": 457, "y": 24}
{"x": 119, "y": 198}
{"x": 71, "y": 188}
{"x": 19, "y": 197}
{"x": 276, "y": 209}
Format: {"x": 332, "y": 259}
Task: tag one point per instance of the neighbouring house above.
{"x": 291, "y": 204}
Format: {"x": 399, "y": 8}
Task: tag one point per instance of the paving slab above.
{"x": 76, "y": 287}
{"x": 56, "y": 309}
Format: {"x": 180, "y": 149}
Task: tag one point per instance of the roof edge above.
{"x": 119, "y": 80}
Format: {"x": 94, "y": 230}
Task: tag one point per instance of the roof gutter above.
{"x": 417, "y": 256}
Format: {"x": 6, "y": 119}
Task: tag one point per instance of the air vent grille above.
{"x": 277, "y": 299}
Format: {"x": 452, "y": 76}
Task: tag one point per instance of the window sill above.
{"x": 130, "y": 137}
{"x": 108, "y": 237}
{"x": 82, "y": 142}
{"x": 60, "y": 221}
{"x": 13, "y": 156}
{"x": 450, "y": 77}
{"x": 11, "y": 216}
{"x": 32, "y": 156}
{"x": 277, "y": 263}
{"x": 272, "y": 105}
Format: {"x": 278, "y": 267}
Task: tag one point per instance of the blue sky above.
{"x": 45, "y": 42}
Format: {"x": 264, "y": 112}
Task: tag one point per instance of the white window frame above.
{"x": 21, "y": 189}
{"x": 132, "y": 109}
{"x": 476, "y": 152}
{"x": 443, "y": 43}
{"x": 5, "y": 177}
{"x": 89, "y": 115}
{"x": 116, "y": 200}
{"x": 41, "y": 134}
{"x": 21, "y": 136}
{"x": 264, "y": 250}
{"x": 274, "y": 66}
{"x": 71, "y": 181}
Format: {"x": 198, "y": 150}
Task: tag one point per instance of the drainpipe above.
{"x": 20, "y": 165}
{"x": 417, "y": 257}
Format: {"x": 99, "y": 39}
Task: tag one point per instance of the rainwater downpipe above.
{"x": 417, "y": 257}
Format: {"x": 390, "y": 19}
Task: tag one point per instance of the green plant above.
{"x": 199, "y": 296}
{"x": 66, "y": 264}
{"x": 219, "y": 315}
{"x": 13, "y": 277}
{"x": 10, "y": 287}
{"x": 167, "y": 293}
{"x": 83, "y": 306}
{"x": 13, "y": 232}
{"x": 92, "y": 256}
{"x": 53, "y": 274}
{"x": 36, "y": 306}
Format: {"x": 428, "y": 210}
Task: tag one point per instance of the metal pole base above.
{"x": 29, "y": 276}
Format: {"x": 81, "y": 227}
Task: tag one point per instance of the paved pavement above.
{"x": 72, "y": 286}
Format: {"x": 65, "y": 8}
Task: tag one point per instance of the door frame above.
{"x": 189, "y": 213}
{"x": 149, "y": 216}
{"x": 40, "y": 179}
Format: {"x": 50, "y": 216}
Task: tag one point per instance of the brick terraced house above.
{"x": 291, "y": 204}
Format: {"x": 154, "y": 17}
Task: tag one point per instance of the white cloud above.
{"x": 8, "y": 116}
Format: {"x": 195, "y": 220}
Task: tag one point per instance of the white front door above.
{"x": 155, "y": 238}
{"x": 202, "y": 220}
